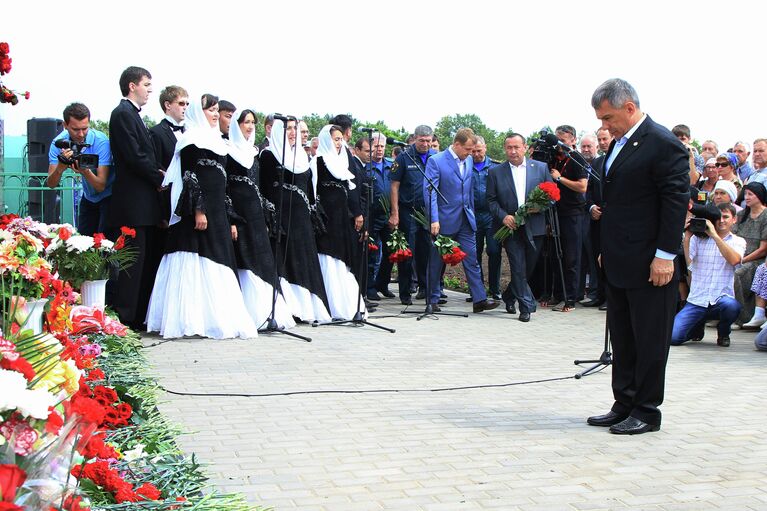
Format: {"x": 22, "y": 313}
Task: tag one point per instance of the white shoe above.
{"x": 754, "y": 324}
{"x": 764, "y": 325}
{"x": 735, "y": 326}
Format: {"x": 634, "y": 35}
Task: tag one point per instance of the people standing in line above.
{"x": 135, "y": 201}
{"x": 644, "y": 203}
{"x": 196, "y": 291}
{"x": 226, "y": 111}
{"x": 253, "y": 252}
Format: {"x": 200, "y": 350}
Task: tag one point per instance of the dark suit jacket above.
{"x": 594, "y": 189}
{"x": 502, "y": 197}
{"x": 164, "y": 141}
{"x": 135, "y": 201}
{"x": 645, "y": 196}
{"x": 356, "y": 198}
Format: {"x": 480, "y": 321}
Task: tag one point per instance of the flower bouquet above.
{"x": 541, "y": 198}
{"x": 398, "y": 248}
{"x": 6, "y": 94}
{"x": 449, "y": 249}
{"x": 83, "y": 258}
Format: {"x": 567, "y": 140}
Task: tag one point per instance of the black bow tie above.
{"x": 175, "y": 127}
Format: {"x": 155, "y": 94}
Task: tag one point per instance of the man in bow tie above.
{"x": 174, "y": 100}
{"x": 645, "y": 192}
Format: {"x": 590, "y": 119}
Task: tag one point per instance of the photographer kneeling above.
{"x": 711, "y": 257}
{"x": 87, "y": 152}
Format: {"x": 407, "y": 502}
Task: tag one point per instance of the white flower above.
{"x": 107, "y": 244}
{"x": 13, "y": 384}
{"x": 35, "y": 403}
{"x": 134, "y": 454}
{"x": 56, "y": 243}
{"x": 79, "y": 243}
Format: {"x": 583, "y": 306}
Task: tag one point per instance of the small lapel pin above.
{"x": 636, "y": 144}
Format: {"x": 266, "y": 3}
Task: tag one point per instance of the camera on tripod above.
{"x": 82, "y": 161}
{"x": 545, "y": 147}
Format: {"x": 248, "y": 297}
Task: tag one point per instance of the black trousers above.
{"x": 640, "y": 321}
{"x": 92, "y": 216}
{"x": 134, "y": 286}
{"x": 571, "y": 239}
{"x": 522, "y": 256}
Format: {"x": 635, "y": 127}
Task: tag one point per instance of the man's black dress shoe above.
{"x": 603, "y": 307}
{"x": 442, "y": 301}
{"x": 524, "y": 317}
{"x": 723, "y": 341}
{"x": 433, "y": 308}
{"x": 609, "y": 419}
{"x": 485, "y": 305}
{"x": 406, "y": 301}
{"x": 496, "y": 296}
{"x": 510, "y": 308}
{"x": 633, "y": 426}
{"x": 442, "y": 295}
{"x": 386, "y": 293}
{"x": 372, "y": 295}
{"x": 421, "y": 294}
{"x": 469, "y": 299}
{"x": 592, "y": 303}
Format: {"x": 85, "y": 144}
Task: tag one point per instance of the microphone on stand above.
{"x": 391, "y": 141}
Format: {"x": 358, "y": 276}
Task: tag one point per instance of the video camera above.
{"x": 83, "y": 161}
{"x": 701, "y": 212}
{"x": 545, "y": 147}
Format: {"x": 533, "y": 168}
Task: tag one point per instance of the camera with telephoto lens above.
{"x": 83, "y": 161}
{"x": 701, "y": 212}
{"x": 545, "y": 147}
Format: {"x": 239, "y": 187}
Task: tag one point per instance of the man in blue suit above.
{"x": 508, "y": 186}
{"x": 453, "y": 216}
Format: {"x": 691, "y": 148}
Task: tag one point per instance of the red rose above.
{"x": 127, "y": 231}
{"x": 64, "y": 234}
{"x": 104, "y": 395}
{"x": 26, "y": 95}
{"x": 11, "y": 477}
{"x": 97, "y": 239}
{"x": 149, "y": 491}
{"x": 5, "y": 65}
{"x": 124, "y": 410}
{"x": 4, "y": 49}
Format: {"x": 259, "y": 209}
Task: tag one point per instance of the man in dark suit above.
{"x": 452, "y": 214}
{"x": 508, "y": 186}
{"x": 174, "y": 100}
{"x": 135, "y": 201}
{"x": 645, "y": 196}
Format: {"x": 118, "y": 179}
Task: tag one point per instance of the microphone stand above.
{"x": 604, "y": 360}
{"x": 271, "y": 323}
{"x": 429, "y": 310}
{"x": 359, "y": 318}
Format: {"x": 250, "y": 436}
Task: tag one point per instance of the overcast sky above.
{"x": 516, "y": 65}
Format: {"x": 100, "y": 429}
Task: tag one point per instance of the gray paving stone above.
{"x": 512, "y": 447}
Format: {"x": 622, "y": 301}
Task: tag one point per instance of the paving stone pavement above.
{"x": 516, "y": 447}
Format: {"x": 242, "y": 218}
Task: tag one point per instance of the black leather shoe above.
{"x": 406, "y": 301}
{"x": 723, "y": 342}
{"x": 485, "y": 305}
{"x": 442, "y": 295}
{"x": 603, "y": 307}
{"x": 373, "y": 296}
{"x": 433, "y": 307}
{"x": 386, "y": 293}
{"x": 442, "y": 301}
{"x": 510, "y": 308}
{"x": 609, "y": 419}
{"x": 496, "y": 296}
{"x": 592, "y": 303}
{"x": 633, "y": 426}
{"x": 420, "y": 295}
{"x": 469, "y": 299}
{"x": 524, "y": 317}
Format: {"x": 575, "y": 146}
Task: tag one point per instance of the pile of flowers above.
{"x": 79, "y": 426}
{"x": 6, "y": 94}
{"x": 540, "y": 198}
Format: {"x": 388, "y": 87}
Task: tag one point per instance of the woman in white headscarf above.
{"x": 255, "y": 264}
{"x": 297, "y": 263}
{"x": 196, "y": 291}
{"x": 335, "y": 243}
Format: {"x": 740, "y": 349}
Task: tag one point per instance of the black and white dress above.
{"x": 196, "y": 291}
{"x": 253, "y": 251}
{"x": 297, "y": 261}
{"x": 335, "y": 245}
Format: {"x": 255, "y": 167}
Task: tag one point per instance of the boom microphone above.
{"x": 366, "y": 130}
{"x": 284, "y": 118}
{"x": 390, "y": 140}
{"x": 552, "y": 140}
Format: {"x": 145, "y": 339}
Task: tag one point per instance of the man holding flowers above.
{"x": 453, "y": 216}
{"x": 508, "y": 186}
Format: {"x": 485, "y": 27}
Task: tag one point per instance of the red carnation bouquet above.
{"x": 6, "y": 94}
{"x": 399, "y": 251}
{"x": 541, "y": 198}
{"x": 449, "y": 249}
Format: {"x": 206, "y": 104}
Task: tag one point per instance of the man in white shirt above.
{"x": 712, "y": 262}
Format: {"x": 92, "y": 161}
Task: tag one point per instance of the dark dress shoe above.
{"x": 433, "y": 307}
{"x": 386, "y": 293}
{"x": 633, "y": 426}
{"x": 442, "y": 301}
{"x": 372, "y": 295}
{"x": 609, "y": 419}
{"x": 442, "y": 295}
{"x": 421, "y": 294}
{"x": 510, "y": 308}
{"x": 496, "y": 296}
{"x": 469, "y": 299}
{"x": 603, "y": 307}
{"x": 406, "y": 301}
{"x": 723, "y": 342}
{"x": 592, "y": 303}
{"x": 485, "y": 305}
{"x": 524, "y": 317}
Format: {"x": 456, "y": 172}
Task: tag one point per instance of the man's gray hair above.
{"x": 378, "y": 136}
{"x": 616, "y": 92}
{"x": 744, "y": 144}
{"x": 589, "y": 136}
{"x": 480, "y": 139}
{"x": 423, "y": 131}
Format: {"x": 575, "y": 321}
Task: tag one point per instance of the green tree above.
{"x": 102, "y": 126}
{"x": 450, "y": 124}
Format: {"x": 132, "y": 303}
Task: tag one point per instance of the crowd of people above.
{"x": 221, "y": 218}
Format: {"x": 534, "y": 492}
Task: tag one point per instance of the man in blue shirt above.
{"x": 378, "y": 173}
{"x": 485, "y": 219}
{"x": 406, "y": 198}
{"x": 93, "y": 208}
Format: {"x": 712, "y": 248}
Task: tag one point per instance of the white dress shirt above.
{"x": 621, "y": 142}
{"x": 519, "y": 175}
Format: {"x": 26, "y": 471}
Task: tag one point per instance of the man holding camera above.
{"x": 712, "y": 258}
{"x": 87, "y": 152}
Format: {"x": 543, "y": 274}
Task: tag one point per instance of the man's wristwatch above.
{"x": 559, "y": 178}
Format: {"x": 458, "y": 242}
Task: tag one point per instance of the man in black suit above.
{"x": 508, "y": 186}
{"x": 174, "y": 100}
{"x": 135, "y": 201}
{"x": 645, "y": 196}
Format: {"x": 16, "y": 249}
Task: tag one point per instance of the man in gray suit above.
{"x": 508, "y": 186}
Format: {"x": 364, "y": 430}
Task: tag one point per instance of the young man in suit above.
{"x": 174, "y": 100}
{"x": 645, "y": 194}
{"x": 135, "y": 201}
{"x": 453, "y": 216}
{"x": 508, "y": 186}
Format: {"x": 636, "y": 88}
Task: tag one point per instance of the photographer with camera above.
{"x": 711, "y": 257}
{"x": 87, "y": 152}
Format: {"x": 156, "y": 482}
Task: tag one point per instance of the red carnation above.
{"x": 97, "y": 239}
{"x": 95, "y": 375}
{"x": 5, "y": 65}
{"x": 11, "y": 477}
{"x": 126, "y": 494}
{"x": 64, "y": 234}
{"x": 10, "y": 506}
{"x": 149, "y": 491}
{"x": 19, "y": 365}
{"x": 120, "y": 243}
{"x": 26, "y": 95}
{"x": 54, "y": 422}
{"x": 551, "y": 189}
{"x": 127, "y": 231}
{"x": 4, "y": 48}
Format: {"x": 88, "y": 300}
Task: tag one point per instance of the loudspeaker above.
{"x": 43, "y": 204}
